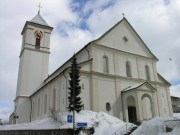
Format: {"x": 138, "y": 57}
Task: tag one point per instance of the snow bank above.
{"x": 103, "y": 123}
{"x": 176, "y": 115}
{"x": 152, "y": 127}
{"x": 47, "y": 123}
{"x": 157, "y": 126}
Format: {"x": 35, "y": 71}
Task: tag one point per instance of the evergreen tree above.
{"x": 75, "y": 102}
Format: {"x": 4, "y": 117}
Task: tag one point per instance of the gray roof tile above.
{"x": 39, "y": 20}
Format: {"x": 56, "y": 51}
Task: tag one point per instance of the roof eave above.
{"x": 33, "y": 23}
{"x": 168, "y": 83}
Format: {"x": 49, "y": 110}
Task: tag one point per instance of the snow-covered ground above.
{"x": 157, "y": 126}
{"x": 103, "y": 123}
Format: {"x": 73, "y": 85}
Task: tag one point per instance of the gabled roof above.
{"x": 39, "y": 20}
{"x": 137, "y": 86}
{"x": 85, "y": 47}
{"x": 125, "y": 20}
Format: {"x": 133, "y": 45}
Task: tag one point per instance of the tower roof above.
{"x": 39, "y": 20}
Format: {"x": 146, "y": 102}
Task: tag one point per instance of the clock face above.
{"x": 38, "y": 34}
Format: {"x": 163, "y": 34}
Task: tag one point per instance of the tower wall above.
{"x": 33, "y": 66}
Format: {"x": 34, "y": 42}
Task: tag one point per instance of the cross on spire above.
{"x": 123, "y": 15}
{"x": 39, "y": 6}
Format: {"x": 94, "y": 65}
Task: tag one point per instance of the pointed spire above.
{"x": 38, "y": 19}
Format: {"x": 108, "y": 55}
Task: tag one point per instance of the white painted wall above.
{"x": 114, "y": 39}
{"x": 107, "y": 93}
{"x": 165, "y": 106}
{"x": 23, "y": 109}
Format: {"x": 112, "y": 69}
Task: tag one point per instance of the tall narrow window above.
{"x": 128, "y": 69}
{"x": 45, "y": 104}
{"x": 54, "y": 100}
{"x": 38, "y": 106}
{"x": 147, "y": 73}
{"x": 105, "y": 64}
{"x": 33, "y": 110}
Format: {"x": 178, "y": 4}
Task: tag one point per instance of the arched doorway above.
{"x": 147, "y": 107}
{"x": 131, "y": 106}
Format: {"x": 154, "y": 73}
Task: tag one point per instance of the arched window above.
{"x": 108, "y": 106}
{"x": 54, "y": 100}
{"x": 38, "y": 35}
{"x": 128, "y": 69}
{"x": 45, "y": 104}
{"x": 38, "y": 106}
{"x": 105, "y": 64}
{"x": 147, "y": 73}
{"x": 33, "y": 110}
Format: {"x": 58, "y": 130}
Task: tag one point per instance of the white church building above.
{"x": 118, "y": 76}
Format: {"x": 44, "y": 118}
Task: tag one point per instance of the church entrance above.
{"x": 131, "y": 106}
{"x": 132, "y": 114}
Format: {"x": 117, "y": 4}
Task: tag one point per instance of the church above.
{"x": 118, "y": 76}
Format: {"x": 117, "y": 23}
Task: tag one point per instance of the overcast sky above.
{"x": 76, "y": 22}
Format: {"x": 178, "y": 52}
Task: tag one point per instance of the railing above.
{"x": 124, "y": 129}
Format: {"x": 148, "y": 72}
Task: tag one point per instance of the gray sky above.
{"x": 76, "y": 22}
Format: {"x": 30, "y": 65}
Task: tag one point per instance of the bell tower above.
{"x": 33, "y": 66}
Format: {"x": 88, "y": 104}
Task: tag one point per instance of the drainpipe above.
{"x": 122, "y": 105}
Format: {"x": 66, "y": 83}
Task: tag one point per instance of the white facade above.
{"x": 118, "y": 76}
{"x": 33, "y": 66}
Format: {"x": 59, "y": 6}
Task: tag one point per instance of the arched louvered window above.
{"x": 54, "y": 100}
{"x": 38, "y": 41}
{"x": 128, "y": 69}
{"x": 105, "y": 64}
{"x": 45, "y": 103}
{"x": 147, "y": 73}
{"x": 38, "y": 35}
{"x": 33, "y": 109}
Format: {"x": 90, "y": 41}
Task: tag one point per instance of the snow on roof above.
{"x": 175, "y": 96}
{"x": 38, "y": 19}
{"x": 137, "y": 86}
{"x": 133, "y": 87}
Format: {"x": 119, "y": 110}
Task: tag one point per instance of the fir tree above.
{"x": 75, "y": 102}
